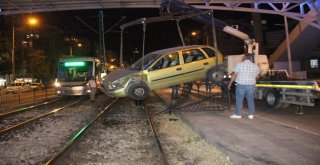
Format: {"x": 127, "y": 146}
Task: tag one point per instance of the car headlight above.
{"x": 118, "y": 83}
{"x": 115, "y": 85}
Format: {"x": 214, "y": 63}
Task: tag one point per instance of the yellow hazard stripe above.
{"x": 287, "y": 86}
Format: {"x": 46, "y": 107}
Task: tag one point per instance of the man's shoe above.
{"x": 235, "y": 117}
{"x": 250, "y": 116}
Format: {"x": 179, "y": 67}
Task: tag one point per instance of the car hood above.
{"x": 13, "y": 87}
{"x": 118, "y": 75}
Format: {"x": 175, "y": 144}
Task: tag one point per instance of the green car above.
{"x": 164, "y": 68}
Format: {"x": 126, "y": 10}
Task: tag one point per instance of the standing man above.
{"x": 93, "y": 87}
{"x": 175, "y": 92}
{"x": 245, "y": 75}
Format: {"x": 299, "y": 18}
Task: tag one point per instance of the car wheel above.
{"x": 215, "y": 75}
{"x": 272, "y": 99}
{"x": 138, "y": 91}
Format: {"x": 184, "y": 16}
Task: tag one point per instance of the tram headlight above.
{"x": 57, "y": 84}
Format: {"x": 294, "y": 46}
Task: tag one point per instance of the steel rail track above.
{"x": 26, "y": 108}
{"x": 80, "y": 133}
{"x": 11, "y": 128}
{"x": 155, "y": 135}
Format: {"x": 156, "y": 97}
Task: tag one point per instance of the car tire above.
{"x": 138, "y": 91}
{"x": 272, "y": 99}
{"x": 215, "y": 75}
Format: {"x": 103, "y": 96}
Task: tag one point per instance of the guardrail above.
{"x": 10, "y": 100}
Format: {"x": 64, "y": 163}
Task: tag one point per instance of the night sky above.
{"x": 158, "y": 35}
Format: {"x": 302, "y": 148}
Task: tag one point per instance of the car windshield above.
{"x": 146, "y": 61}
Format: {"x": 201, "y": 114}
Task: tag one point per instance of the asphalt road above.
{"x": 274, "y": 136}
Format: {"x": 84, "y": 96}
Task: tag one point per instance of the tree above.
{"x": 38, "y": 66}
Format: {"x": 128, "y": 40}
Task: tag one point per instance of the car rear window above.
{"x": 192, "y": 55}
{"x": 210, "y": 52}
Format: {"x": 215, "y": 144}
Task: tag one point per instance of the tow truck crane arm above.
{"x": 176, "y": 7}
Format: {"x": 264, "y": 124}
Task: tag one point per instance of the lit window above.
{"x": 314, "y": 63}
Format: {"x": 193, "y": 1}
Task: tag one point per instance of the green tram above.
{"x": 74, "y": 73}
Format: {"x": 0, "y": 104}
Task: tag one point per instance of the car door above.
{"x": 195, "y": 64}
{"x": 165, "y": 72}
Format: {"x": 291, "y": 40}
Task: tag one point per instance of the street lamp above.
{"x": 79, "y": 45}
{"x": 31, "y": 21}
{"x": 194, "y": 37}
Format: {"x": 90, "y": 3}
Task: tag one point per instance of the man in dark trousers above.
{"x": 93, "y": 88}
{"x": 245, "y": 75}
{"x": 175, "y": 92}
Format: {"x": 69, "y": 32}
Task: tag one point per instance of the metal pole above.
{"x": 288, "y": 46}
{"x": 121, "y": 48}
{"x": 143, "y": 43}
{"x": 180, "y": 33}
{"x": 70, "y": 50}
{"x": 12, "y": 55}
{"x": 214, "y": 37}
{"x": 101, "y": 34}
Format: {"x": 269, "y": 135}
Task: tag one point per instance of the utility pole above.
{"x": 214, "y": 37}
{"x": 102, "y": 49}
{"x": 12, "y": 55}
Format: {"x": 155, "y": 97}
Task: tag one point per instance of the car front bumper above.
{"x": 115, "y": 93}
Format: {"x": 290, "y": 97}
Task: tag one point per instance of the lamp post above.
{"x": 79, "y": 45}
{"x": 12, "y": 55}
{"x": 32, "y": 21}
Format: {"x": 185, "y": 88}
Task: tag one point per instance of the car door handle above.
{"x": 206, "y": 63}
{"x": 179, "y": 69}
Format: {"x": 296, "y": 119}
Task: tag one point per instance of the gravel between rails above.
{"x": 118, "y": 138}
{"x": 121, "y": 137}
{"x": 36, "y": 143}
{"x": 181, "y": 144}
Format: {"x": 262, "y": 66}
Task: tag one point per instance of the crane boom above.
{"x": 178, "y": 7}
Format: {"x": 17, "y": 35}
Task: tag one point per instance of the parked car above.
{"x": 37, "y": 86}
{"x": 164, "y": 68}
{"x": 18, "y": 87}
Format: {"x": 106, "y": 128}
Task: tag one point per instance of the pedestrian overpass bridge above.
{"x": 302, "y": 38}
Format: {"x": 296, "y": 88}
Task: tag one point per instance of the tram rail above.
{"x": 83, "y": 134}
{"x": 79, "y": 134}
{"x": 155, "y": 135}
{"x": 12, "y": 112}
{"x": 30, "y": 120}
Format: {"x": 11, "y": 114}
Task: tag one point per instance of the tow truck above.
{"x": 277, "y": 93}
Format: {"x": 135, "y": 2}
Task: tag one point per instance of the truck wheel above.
{"x": 215, "y": 75}
{"x": 138, "y": 91}
{"x": 272, "y": 99}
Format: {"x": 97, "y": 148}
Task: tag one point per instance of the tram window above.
{"x": 314, "y": 63}
{"x": 73, "y": 72}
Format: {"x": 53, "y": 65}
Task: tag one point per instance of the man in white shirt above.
{"x": 93, "y": 87}
{"x": 245, "y": 75}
